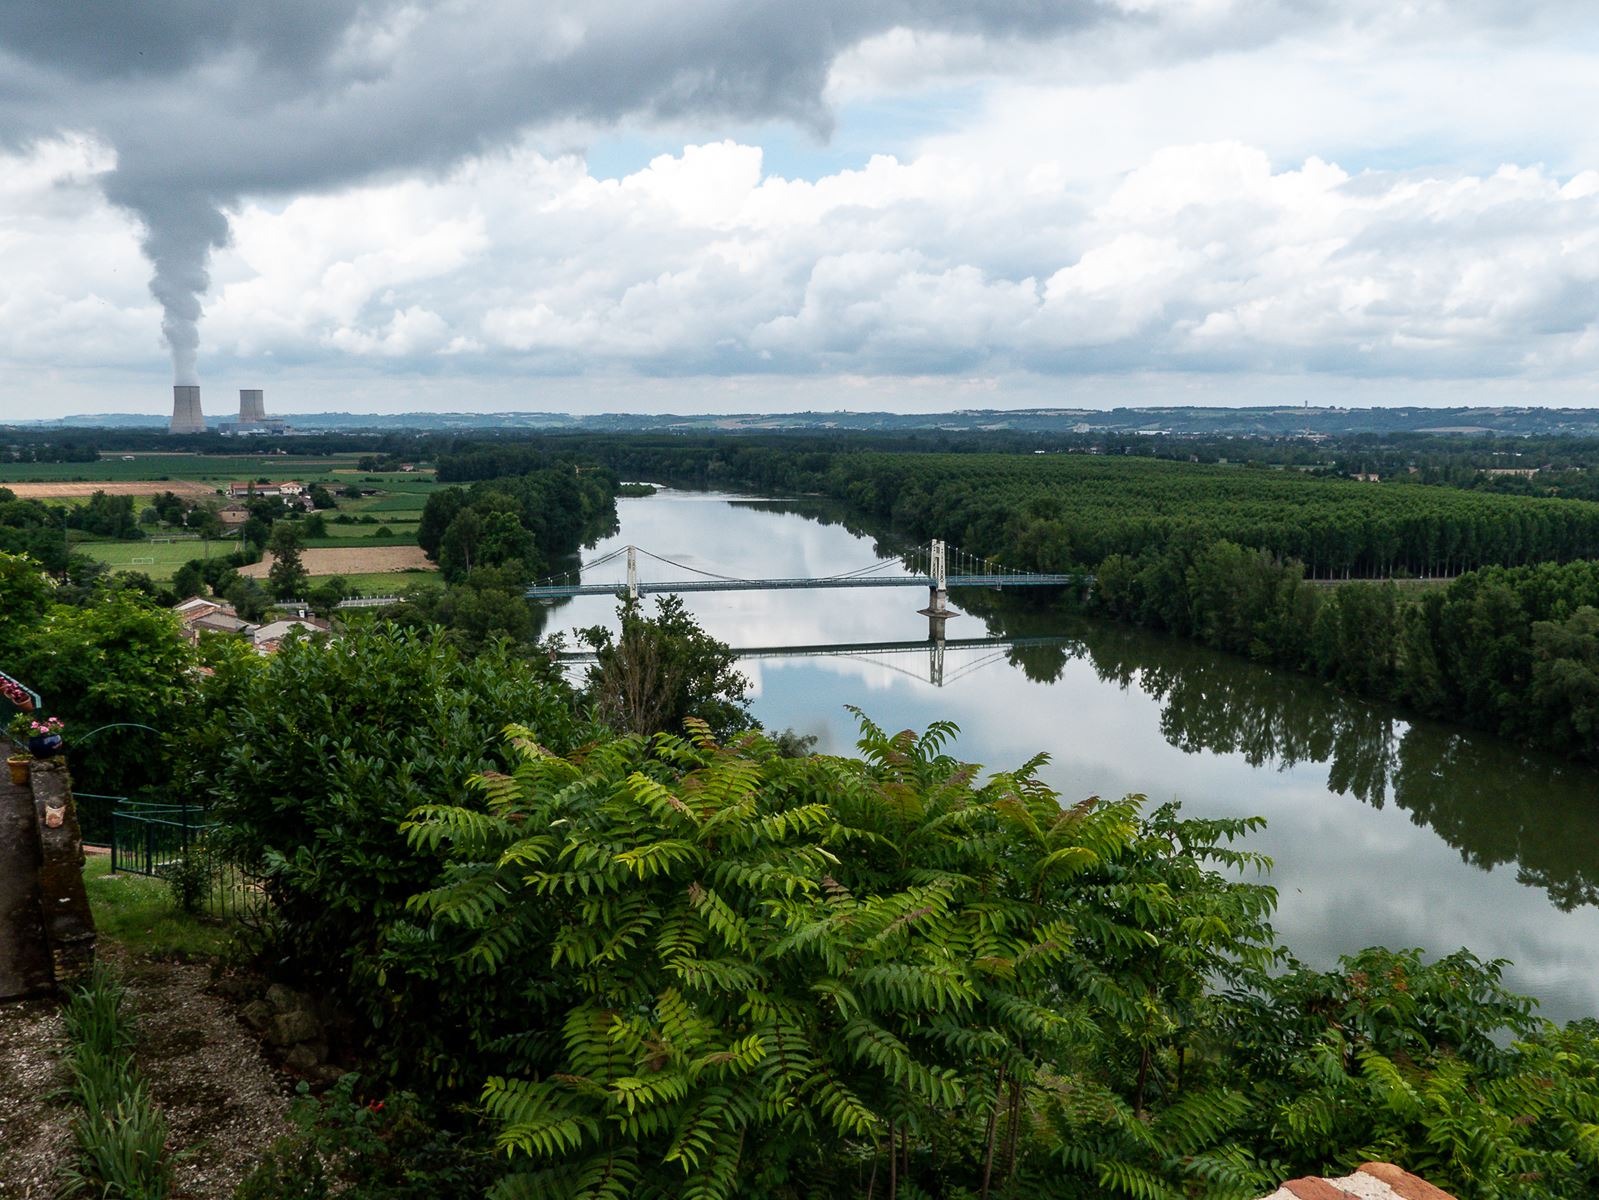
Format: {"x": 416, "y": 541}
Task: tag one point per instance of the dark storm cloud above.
{"x": 209, "y": 100}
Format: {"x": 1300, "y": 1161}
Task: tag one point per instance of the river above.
{"x": 1383, "y": 830}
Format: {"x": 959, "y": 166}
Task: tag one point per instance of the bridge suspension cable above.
{"x": 583, "y": 566}
{"x": 859, "y": 571}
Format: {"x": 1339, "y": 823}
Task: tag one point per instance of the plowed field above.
{"x": 353, "y": 560}
{"x": 48, "y": 489}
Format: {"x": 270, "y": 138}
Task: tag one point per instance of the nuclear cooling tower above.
{"x": 186, "y": 414}
{"x": 252, "y": 406}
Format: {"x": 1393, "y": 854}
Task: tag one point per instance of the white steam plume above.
{"x": 181, "y": 228}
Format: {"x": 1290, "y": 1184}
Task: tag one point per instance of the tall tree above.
{"x": 287, "y": 576}
{"x": 661, "y": 670}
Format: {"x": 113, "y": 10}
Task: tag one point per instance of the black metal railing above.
{"x": 160, "y": 840}
{"x": 147, "y": 837}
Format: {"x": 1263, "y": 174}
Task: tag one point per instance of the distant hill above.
{"x": 1271, "y": 421}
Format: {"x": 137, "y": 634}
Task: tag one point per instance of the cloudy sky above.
{"x": 737, "y": 205}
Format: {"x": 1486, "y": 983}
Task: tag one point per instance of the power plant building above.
{"x": 186, "y": 414}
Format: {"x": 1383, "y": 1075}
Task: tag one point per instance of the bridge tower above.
{"x": 937, "y": 610}
{"x": 632, "y": 574}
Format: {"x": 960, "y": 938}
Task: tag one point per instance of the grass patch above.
{"x": 164, "y": 557}
{"x": 139, "y": 913}
{"x": 392, "y": 583}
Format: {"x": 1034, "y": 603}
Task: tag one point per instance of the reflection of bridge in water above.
{"x": 936, "y": 648}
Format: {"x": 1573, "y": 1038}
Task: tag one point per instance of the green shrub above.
{"x": 315, "y": 760}
{"x": 374, "y": 1149}
{"x": 189, "y": 879}
{"x": 122, "y": 1152}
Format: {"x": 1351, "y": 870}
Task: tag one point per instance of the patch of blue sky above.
{"x": 890, "y": 125}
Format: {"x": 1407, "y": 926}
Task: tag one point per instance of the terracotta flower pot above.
{"x": 21, "y": 767}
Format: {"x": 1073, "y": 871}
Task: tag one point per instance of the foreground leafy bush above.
{"x": 314, "y": 758}
{"x": 777, "y": 976}
{"x": 744, "y": 974}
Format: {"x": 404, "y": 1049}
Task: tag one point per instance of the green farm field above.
{"x": 377, "y": 506}
{"x": 405, "y": 536}
{"x": 114, "y": 467}
{"x": 401, "y": 527}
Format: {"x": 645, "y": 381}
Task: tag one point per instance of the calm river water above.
{"x": 1384, "y": 831}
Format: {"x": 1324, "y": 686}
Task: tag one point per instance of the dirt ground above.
{"x": 225, "y": 1101}
{"x": 45, "y": 489}
{"x": 353, "y": 560}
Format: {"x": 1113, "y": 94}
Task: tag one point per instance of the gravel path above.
{"x": 34, "y": 1137}
{"x": 225, "y": 1101}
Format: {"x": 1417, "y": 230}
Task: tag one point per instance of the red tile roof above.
{"x": 1373, "y": 1181}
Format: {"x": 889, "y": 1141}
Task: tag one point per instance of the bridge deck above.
{"x": 554, "y": 591}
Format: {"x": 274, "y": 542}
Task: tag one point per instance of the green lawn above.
{"x": 158, "y": 560}
{"x": 393, "y": 583}
{"x": 136, "y": 911}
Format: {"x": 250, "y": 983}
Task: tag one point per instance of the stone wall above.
{"x": 46, "y": 928}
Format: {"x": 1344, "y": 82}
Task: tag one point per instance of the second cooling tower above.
{"x": 252, "y": 406}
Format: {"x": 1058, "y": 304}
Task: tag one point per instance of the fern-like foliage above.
{"x": 750, "y": 975}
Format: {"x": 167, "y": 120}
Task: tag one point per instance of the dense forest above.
{"x": 492, "y": 537}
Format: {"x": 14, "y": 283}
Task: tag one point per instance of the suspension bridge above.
{"x": 928, "y": 567}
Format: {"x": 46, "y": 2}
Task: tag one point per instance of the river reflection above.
{"x": 1490, "y": 801}
{"x": 1383, "y": 830}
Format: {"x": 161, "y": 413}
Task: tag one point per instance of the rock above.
{"x": 284, "y": 999}
{"x": 286, "y": 1028}
{"x": 328, "y": 1073}
{"x": 300, "y": 1058}
{"x": 256, "y": 1014}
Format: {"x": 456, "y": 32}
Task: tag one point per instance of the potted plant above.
{"x": 21, "y": 762}
{"x": 44, "y": 737}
